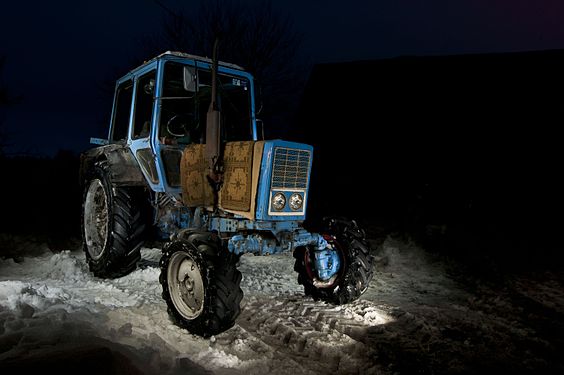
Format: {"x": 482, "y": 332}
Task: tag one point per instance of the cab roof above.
{"x": 182, "y": 55}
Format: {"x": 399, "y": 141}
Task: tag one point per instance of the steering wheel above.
{"x": 179, "y": 124}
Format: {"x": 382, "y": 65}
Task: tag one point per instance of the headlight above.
{"x": 278, "y": 201}
{"x": 296, "y": 201}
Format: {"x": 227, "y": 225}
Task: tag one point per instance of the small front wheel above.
{"x": 185, "y": 283}
{"x": 355, "y": 262}
{"x": 201, "y": 284}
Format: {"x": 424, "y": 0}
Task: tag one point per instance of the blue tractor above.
{"x": 184, "y": 164}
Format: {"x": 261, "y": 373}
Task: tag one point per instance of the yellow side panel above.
{"x": 246, "y": 159}
{"x": 196, "y": 191}
{"x": 237, "y": 184}
{"x": 242, "y": 161}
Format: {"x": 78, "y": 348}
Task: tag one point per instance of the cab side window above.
{"x": 122, "y": 111}
{"x": 144, "y": 98}
{"x": 178, "y": 124}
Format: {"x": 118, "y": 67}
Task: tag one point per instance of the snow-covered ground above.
{"x": 414, "y": 318}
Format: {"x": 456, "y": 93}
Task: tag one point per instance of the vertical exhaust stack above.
{"x": 213, "y": 130}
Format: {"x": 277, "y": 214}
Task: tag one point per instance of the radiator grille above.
{"x": 290, "y": 168}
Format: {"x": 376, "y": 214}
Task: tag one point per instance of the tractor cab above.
{"x": 160, "y": 108}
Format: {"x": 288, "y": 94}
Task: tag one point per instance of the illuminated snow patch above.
{"x": 218, "y": 359}
{"x": 368, "y": 313}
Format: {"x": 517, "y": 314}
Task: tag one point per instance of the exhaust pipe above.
{"x": 213, "y": 129}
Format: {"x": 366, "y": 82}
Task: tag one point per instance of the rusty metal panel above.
{"x": 123, "y": 167}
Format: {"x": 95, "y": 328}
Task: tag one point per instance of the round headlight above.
{"x": 278, "y": 201}
{"x": 296, "y": 201}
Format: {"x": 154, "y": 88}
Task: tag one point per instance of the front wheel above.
{"x": 355, "y": 258}
{"x": 201, "y": 285}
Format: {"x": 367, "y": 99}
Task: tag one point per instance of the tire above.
{"x": 207, "y": 299}
{"x": 113, "y": 226}
{"x": 356, "y": 270}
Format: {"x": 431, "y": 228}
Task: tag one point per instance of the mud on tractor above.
{"x": 184, "y": 164}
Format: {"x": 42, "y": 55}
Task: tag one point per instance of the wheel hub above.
{"x": 186, "y": 285}
{"x": 96, "y": 220}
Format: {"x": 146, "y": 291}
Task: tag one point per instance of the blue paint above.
{"x": 173, "y": 219}
{"x": 265, "y": 193}
{"x": 327, "y": 263}
{"x": 303, "y": 238}
{"x": 224, "y": 225}
{"x": 152, "y": 142}
{"x": 273, "y": 226}
{"x": 99, "y": 141}
{"x": 260, "y": 243}
{"x": 228, "y": 225}
{"x": 254, "y": 243}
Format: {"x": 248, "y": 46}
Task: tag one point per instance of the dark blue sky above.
{"x": 59, "y": 51}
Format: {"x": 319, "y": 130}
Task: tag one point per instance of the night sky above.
{"x": 59, "y": 53}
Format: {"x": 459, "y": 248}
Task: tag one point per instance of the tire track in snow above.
{"x": 319, "y": 336}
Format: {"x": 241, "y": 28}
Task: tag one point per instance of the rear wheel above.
{"x": 356, "y": 264}
{"x": 112, "y": 225}
{"x": 201, "y": 284}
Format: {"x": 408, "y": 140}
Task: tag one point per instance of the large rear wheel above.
{"x": 112, "y": 225}
{"x": 201, "y": 284}
{"x": 355, "y": 258}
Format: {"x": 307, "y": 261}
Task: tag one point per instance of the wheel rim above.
{"x": 185, "y": 285}
{"x": 96, "y": 223}
{"x": 335, "y": 279}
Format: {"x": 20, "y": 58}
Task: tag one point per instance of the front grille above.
{"x": 290, "y": 168}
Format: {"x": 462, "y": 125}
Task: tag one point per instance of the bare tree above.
{"x": 256, "y": 37}
{"x": 3, "y": 91}
{"x": 5, "y": 101}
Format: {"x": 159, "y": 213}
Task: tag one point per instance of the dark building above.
{"x": 421, "y": 142}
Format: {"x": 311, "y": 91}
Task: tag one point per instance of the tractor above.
{"x": 184, "y": 164}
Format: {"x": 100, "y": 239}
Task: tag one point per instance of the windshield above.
{"x": 183, "y": 112}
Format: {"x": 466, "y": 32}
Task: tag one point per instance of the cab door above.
{"x": 176, "y": 121}
{"x": 143, "y": 122}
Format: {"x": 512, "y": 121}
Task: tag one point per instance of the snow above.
{"x": 413, "y": 317}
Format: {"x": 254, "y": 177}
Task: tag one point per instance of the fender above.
{"x": 124, "y": 169}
